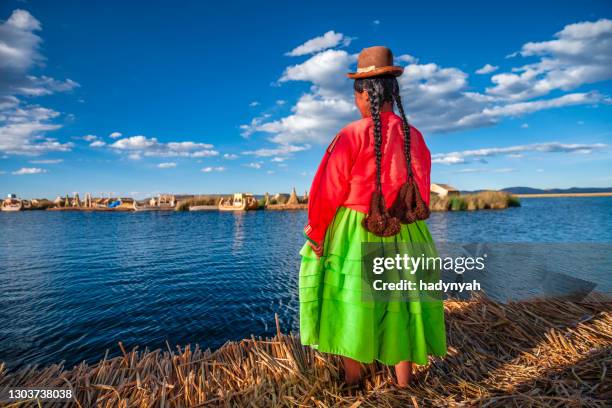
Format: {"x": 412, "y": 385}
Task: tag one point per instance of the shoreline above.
{"x": 467, "y": 202}
{"x": 553, "y": 195}
{"x": 522, "y": 353}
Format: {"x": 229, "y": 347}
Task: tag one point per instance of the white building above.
{"x": 443, "y": 190}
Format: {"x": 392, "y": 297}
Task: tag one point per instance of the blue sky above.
{"x": 137, "y": 98}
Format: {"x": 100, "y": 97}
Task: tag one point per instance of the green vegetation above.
{"x": 513, "y": 201}
{"x": 485, "y": 200}
{"x": 457, "y": 204}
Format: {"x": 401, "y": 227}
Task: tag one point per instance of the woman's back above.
{"x": 347, "y": 174}
{"x": 393, "y": 161}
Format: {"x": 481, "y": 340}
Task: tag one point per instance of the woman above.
{"x": 368, "y": 164}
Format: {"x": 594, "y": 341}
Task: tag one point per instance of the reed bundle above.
{"x": 535, "y": 354}
{"x": 484, "y": 200}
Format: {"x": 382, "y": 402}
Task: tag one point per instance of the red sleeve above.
{"x": 330, "y": 186}
{"x": 421, "y": 163}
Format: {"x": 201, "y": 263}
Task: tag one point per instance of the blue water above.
{"x": 74, "y": 284}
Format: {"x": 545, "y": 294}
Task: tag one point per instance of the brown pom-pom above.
{"x": 378, "y": 221}
{"x": 392, "y": 228}
{"x": 398, "y": 208}
{"x": 409, "y": 206}
{"x": 421, "y": 210}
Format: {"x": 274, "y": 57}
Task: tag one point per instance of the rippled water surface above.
{"x": 73, "y": 284}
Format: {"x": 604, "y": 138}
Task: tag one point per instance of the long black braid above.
{"x": 380, "y": 90}
{"x": 400, "y": 107}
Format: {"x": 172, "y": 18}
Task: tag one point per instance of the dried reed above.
{"x": 533, "y": 354}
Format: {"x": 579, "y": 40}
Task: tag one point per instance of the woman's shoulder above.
{"x": 351, "y": 135}
{"x": 358, "y": 126}
{"x": 415, "y": 132}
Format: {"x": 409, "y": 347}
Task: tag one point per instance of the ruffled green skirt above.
{"x": 335, "y": 318}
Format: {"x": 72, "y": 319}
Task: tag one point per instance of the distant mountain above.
{"x": 531, "y": 190}
{"x": 571, "y": 190}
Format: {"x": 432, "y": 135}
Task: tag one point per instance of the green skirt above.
{"x": 335, "y": 319}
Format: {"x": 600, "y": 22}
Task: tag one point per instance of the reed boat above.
{"x": 239, "y": 202}
{"x": 162, "y": 202}
{"x": 12, "y": 204}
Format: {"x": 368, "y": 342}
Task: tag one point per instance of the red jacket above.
{"x": 347, "y": 174}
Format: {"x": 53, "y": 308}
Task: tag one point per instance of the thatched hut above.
{"x": 293, "y": 198}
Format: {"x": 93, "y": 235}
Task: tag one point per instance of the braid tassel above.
{"x": 378, "y": 221}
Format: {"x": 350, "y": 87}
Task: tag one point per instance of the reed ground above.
{"x": 531, "y": 354}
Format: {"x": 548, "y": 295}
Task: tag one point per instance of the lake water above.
{"x": 73, "y": 284}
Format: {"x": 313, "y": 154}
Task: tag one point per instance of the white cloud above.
{"x": 29, "y": 170}
{"x": 90, "y": 138}
{"x": 213, "y": 169}
{"x": 281, "y": 102}
{"x": 97, "y": 143}
{"x": 115, "y": 135}
{"x": 23, "y": 126}
{"x": 525, "y": 125}
{"x": 485, "y": 170}
{"x": 254, "y": 165}
{"x": 491, "y": 115}
{"x": 47, "y": 161}
{"x": 467, "y": 156}
{"x": 38, "y": 86}
{"x": 406, "y": 58}
{"x": 437, "y": 99}
{"x": 253, "y": 104}
{"x": 230, "y": 156}
{"x": 143, "y": 146}
{"x": 281, "y": 150}
{"x": 326, "y": 70}
{"x": 135, "y": 143}
{"x": 314, "y": 119}
{"x": 19, "y": 48}
{"x": 19, "y": 52}
{"x": 167, "y": 165}
{"x": 487, "y": 69}
{"x": 248, "y": 130}
{"x": 330, "y": 39}
{"x": 580, "y": 54}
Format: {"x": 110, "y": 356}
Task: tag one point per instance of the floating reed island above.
{"x": 549, "y": 353}
{"x": 485, "y": 200}
{"x": 441, "y": 199}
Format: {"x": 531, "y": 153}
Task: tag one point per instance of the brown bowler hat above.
{"x": 375, "y": 61}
